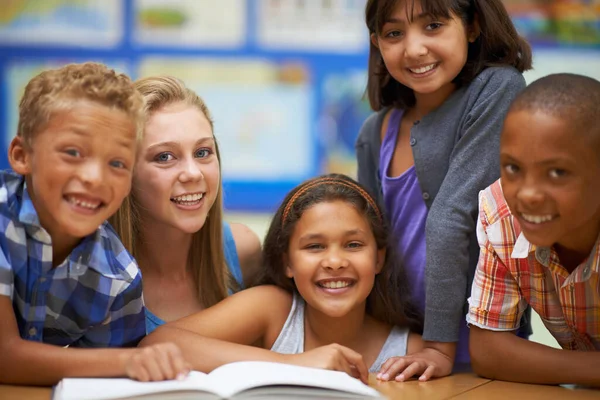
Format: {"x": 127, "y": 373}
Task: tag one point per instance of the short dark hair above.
{"x": 498, "y": 44}
{"x": 569, "y": 97}
{"x": 389, "y": 301}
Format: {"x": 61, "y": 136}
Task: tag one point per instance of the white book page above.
{"x": 106, "y": 389}
{"x": 234, "y": 378}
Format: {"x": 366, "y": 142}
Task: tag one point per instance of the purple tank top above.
{"x": 407, "y": 215}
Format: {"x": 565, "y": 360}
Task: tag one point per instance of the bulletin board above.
{"x": 284, "y": 79}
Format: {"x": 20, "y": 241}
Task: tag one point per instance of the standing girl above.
{"x": 335, "y": 297}
{"x": 172, "y": 222}
{"x": 442, "y": 74}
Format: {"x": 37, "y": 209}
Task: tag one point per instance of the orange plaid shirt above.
{"x": 512, "y": 273}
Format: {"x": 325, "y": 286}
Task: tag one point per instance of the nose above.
{"x": 416, "y": 46}
{"x": 530, "y": 194}
{"x": 334, "y": 259}
{"x": 191, "y": 171}
{"x": 91, "y": 173}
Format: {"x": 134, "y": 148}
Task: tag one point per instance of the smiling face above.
{"x": 177, "y": 178}
{"x": 425, "y": 54}
{"x": 550, "y": 180}
{"x": 78, "y": 169}
{"x": 333, "y": 258}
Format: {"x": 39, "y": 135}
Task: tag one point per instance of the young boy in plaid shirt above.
{"x": 539, "y": 235}
{"x": 65, "y": 278}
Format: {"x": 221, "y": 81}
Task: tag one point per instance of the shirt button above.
{"x": 413, "y": 141}
{"x": 32, "y": 331}
{"x": 425, "y": 196}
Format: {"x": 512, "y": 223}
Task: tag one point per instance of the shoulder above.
{"x": 493, "y": 79}
{"x": 110, "y": 258}
{"x": 492, "y": 204}
{"x": 496, "y": 224}
{"x": 11, "y": 188}
{"x": 248, "y": 248}
{"x": 255, "y": 298}
{"x": 370, "y": 131}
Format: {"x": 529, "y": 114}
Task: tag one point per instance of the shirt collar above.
{"x": 523, "y": 248}
{"x": 89, "y": 253}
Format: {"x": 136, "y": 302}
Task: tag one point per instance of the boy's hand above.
{"x": 429, "y": 362}
{"x": 333, "y": 357}
{"x": 158, "y": 362}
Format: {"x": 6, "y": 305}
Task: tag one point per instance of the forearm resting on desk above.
{"x": 32, "y": 363}
{"x": 204, "y": 353}
{"x": 505, "y": 356}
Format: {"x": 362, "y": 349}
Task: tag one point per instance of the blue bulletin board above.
{"x": 283, "y": 79}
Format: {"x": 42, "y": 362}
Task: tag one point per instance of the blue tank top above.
{"x": 407, "y": 213}
{"x": 233, "y": 262}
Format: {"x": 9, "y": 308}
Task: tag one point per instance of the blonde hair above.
{"x": 206, "y": 257}
{"x": 59, "y": 89}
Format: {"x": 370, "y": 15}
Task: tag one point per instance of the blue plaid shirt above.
{"x": 92, "y": 299}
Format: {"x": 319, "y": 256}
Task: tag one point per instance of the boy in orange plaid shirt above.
{"x": 538, "y": 231}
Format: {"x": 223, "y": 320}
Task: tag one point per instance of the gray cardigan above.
{"x": 456, "y": 153}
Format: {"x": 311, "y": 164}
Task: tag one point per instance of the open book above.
{"x": 239, "y": 380}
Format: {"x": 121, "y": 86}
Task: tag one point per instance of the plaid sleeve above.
{"x": 6, "y": 273}
{"x": 495, "y": 302}
{"x": 125, "y": 324}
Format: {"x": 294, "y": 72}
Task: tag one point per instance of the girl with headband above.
{"x": 330, "y": 295}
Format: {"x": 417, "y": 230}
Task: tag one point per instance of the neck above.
{"x": 322, "y": 330}
{"x": 163, "y": 251}
{"x": 426, "y": 103}
{"x": 62, "y": 246}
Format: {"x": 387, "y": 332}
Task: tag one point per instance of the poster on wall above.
{"x": 557, "y": 22}
{"x": 343, "y": 111}
{"x": 18, "y": 73}
{"x": 335, "y": 26}
{"x": 261, "y": 112}
{"x": 184, "y": 23}
{"x": 79, "y": 23}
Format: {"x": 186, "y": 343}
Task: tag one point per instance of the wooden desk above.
{"x": 437, "y": 389}
{"x": 459, "y": 386}
{"x": 499, "y": 390}
{"x": 8, "y": 392}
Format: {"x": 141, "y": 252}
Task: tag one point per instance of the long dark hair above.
{"x": 498, "y": 44}
{"x": 389, "y": 300}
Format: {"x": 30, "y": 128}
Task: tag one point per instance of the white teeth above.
{"x": 84, "y": 204}
{"x": 537, "y": 219}
{"x": 335, "y": 284}
{"x": 188, "y": 198}
{"x": 422, "y": 70}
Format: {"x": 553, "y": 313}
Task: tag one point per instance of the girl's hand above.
{"x": 158, "y": 362}
{"x": 429, "y": 362}
{"x": 333, "y": 357}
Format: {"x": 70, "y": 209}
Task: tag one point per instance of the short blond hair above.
{"x": 57, "y": 90}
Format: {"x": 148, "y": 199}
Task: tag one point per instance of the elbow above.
{"x": 481, "y": 351}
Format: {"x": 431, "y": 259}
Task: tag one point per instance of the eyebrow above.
{"x": 421, "y": 16}
{"x": 84, "y": 133}
{"x": 175, "y": 144}
{"x": 311, "y": 236}
{"x": 548, "y": 161}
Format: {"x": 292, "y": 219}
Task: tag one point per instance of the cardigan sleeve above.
{"x": 451, "y": 223}
{"x": 367, "y": 154}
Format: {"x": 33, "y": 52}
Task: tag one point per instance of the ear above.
{"x": 380, "y": 260}
{"x": 474, "y": 30}
{"x": 374, "y": 41}
{"x": 19, "y": 156}
{"x": 288, "y": 270}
